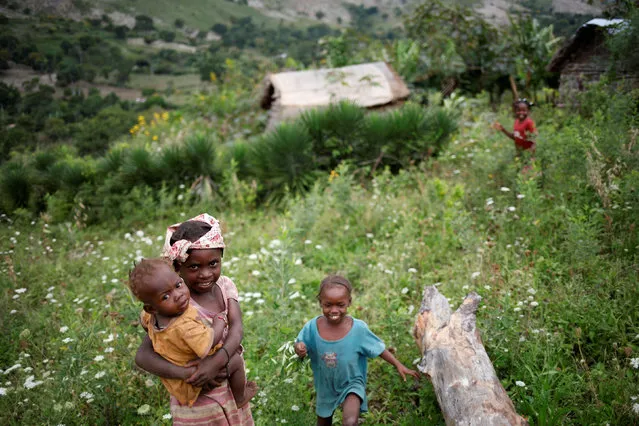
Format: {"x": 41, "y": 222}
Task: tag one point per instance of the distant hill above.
{"x": 202, "y": 14}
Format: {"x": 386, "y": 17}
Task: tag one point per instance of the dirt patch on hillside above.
{"x": 575, "y": 7}
{"x": 159, "y": 44}
{"x": 497, "y": 11}
{"x": 20, "y": 74}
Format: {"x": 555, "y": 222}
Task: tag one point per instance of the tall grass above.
{"x": 553, "y": 261}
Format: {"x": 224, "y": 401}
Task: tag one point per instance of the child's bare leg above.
{"x": 243, "y": 392}
{"x": 350, "y": 410}
{"x": 324, "y": 421}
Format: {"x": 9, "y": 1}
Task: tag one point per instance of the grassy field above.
{"x": 558, "y": 315}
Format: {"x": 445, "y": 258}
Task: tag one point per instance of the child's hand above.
{"x": 403, "y": 371}
{"x": 300, "y": 349}
{"x": 207, "y": 370}
{"x": 497, "y": 126}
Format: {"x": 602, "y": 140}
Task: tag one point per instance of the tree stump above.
{"x": 454, "y": 358}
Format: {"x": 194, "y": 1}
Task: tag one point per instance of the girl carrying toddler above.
{"x": 195, "y": 249}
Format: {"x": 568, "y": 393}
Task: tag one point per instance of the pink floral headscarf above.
{"x": 210, "y": 240}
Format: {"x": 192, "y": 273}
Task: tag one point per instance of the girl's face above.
{"x": 334, "y": 301}
{"x": 202, "y": 269}
{"x": 521, "y": 111}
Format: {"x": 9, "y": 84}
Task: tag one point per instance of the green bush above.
{"x": 283, "y": 160}
{"x": 15, "y": 186}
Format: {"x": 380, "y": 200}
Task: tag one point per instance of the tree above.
{"x": 532, "y": 48}
{"x": 219, "y": 29}
{"x": 144, "y": 23}
{"x": 320, "y": 15}
{"x": 9, "y": 98}
{"x": 121, "y": 31}
{"x": 179, "y": 23}
{"x": 167, "y": 36}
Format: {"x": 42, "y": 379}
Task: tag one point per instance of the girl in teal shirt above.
{"x": 339, "y": 347}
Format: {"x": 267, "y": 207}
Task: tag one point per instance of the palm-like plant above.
{"x": 141, "y": 168}
{"x": 15, "y": 185}
{"x": 283, "y": 160}
{"x": 199, "y": 155}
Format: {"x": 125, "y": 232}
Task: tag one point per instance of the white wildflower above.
{"x": 294, "y": 295}
{"x": 256, "y": 273}
{"x": 13, "y": 311}
{"x": 252, "y": 256}
{"x": 149, "y": 383}
{"x": 295, "y": 408}
{"x": 490, "y": 202}
{"x": 109, "y": 350}
{"x": 20, "y": 290}
{"x": 635, "y": 408}
{"x": 167, "y": 416}
{"x": 292, "y": 281}
{"x": 30, "y": 383}
{"x": 319, "y": 247}
{"x": 534, "y": 304}
{"x": 298, "y": 261}
{"x": 67, "y": 340}
{"x": 10, "y": 369}
{"x": 520, "y": 383}
{"x": 405, "y": 290}
{"x": 98, "y": 358}
{"x": 475, "y": 275}
{"x": 511, "y": 209}
{"x": 274, "y": 244}
{"x": 109, "y": 338}
{"x": 412, "y": 270}
{"x": 520, "y": 196}
{"x": 3, "y": 391}
{"x": 532, "y": 291}
{"x": 369, "y": 235}
{"x": 100, "y": 374}
{"x": 140, "y": 234}
{"x": 64, "y": 329}
{"x": 634, "y": 362}
{"x": 504, "y": 189}
{"x": 144, "y": 409}
{"x": 307, "y": 242}
{"x": 86, "y": 395}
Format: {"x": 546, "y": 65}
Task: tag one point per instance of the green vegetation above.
{"x": 550, "y": 251}
{"x": 425, "y": 194}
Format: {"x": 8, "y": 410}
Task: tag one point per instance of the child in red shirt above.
{"x": 523, "y": 128}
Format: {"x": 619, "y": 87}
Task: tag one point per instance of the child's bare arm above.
{"x": 218, "y": 329}
{"x": 213, "y": 366}
{"x": 300, "y": 349}
{"x": 497, "y": 126}
{"x": 401, "y": 369}
{"x": 148, "y": 360}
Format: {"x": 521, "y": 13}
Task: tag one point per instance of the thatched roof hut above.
{"x": 372, "y": 85}
{"x": 585, "y": 57}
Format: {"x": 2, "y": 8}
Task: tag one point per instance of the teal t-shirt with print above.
{"x": 340, "y": 366}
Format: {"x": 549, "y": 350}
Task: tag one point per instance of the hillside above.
{"x": 202, "y": 14}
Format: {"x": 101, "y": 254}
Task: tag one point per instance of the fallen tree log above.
{"x": 454, "y": 358}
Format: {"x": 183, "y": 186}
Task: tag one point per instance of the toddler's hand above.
{"x": 497, "y": 126}
{"x": 300, "y": 349}
{"x": 403, "y": 371}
